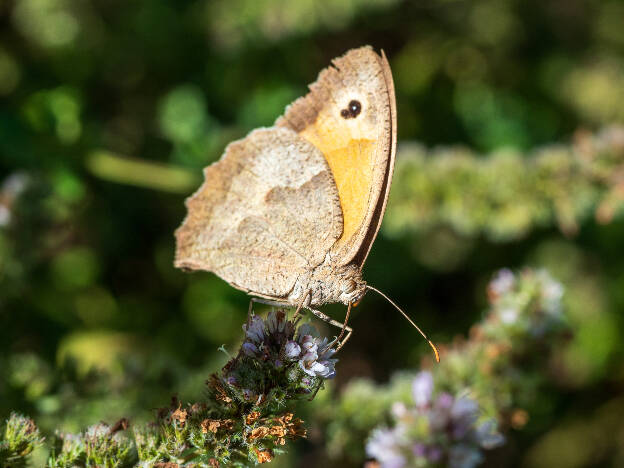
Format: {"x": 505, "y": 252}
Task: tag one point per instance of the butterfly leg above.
{"x": 265, "y": 302}
{"x": 278, "y": 304}
{"x": 342, "y": 326}
{"x": 300, "y": 305}
{"x": 346, "y": 338}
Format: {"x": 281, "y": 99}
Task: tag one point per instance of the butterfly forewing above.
{"x": 350, "y": 116}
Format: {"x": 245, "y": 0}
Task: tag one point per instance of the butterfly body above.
{"x": 289, "y": 213}
{"x": 329, "y": 283}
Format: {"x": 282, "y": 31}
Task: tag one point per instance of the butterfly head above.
{"x": 352, "y": 286}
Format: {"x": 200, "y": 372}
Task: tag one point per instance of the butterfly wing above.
{"x": 350, "y": 116}
{"x": 267, "y": 212}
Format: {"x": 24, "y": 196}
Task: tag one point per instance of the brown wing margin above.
{"x": 377, "y": 218}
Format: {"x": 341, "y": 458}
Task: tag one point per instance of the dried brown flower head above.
{"x": 252, "y": 417}
{"x": 264, "y": 456}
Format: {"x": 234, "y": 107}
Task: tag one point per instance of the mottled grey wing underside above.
{"x": 267, "y": 212}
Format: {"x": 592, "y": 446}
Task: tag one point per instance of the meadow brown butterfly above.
{"x": 290, "y": 212}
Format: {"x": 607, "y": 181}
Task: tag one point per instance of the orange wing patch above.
{"x": 348, "y": 116}
{"x": 351, "y": 164}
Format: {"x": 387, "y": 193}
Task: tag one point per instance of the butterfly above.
{"x": 290, "y": 212}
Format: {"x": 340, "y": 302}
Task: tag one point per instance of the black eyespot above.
{"x": 352, "y": 111}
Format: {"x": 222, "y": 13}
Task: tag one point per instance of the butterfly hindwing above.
{"x": 267, "y": 212}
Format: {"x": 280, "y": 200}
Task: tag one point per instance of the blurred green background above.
{"x": 109, "y": 110}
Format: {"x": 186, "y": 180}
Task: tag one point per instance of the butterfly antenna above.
{"x": 435, "y": 350}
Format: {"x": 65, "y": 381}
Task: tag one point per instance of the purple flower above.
{"x": 508, "y": 315}
{"x": 422, "y": 388}
{"x": 399, "y": 410}
{"x": 316, "y": 357}
{"x": 419, "y": 449}
{"x": 304, "y": 330}
{"x": 250, "y": 349}
{"x": 324, "y": 349}
{"x": 309, "y": 344}
{"x": 438, "y": 418}
{"x": 276, "y": 322}
{"x": 255, "y": 329}
{"x": 384, "y": 447}
{"x": 438, "y": 429}
{"x": 231, "y": 380}
{"x": 434, "y": 454}
{"x": 487, "y": 436}
{"x": 465, "y": 409}
{"x": 307, "y": 383}
{"x": 307, "y": 363}
{"x": 502, "y": 282}
{"x": 444, "y": 401}
{"x": 464, "y": 456}
{"x": 292, "y": 350}
{"x": 464, "y": 414}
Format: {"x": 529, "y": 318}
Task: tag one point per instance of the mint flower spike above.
{"x": 242, "y": 422}
{"x": 279, "y": 340}
{"x": 450, "y": 436}
{"x": 455, "y": 408}
{"x": 584, "y": 170}
{"x": 18, "y": 440}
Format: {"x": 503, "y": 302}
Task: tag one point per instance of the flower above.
{"x": 464, "y": 456}
{"x": 316, "y": 360}
{"x": 276, "y": 322}
{"x": 309, "y": 344}
{"x": 508, "y": 315}
{"x": 383, "y": 446}
{"x": 250, "y": 349}
{"x": 277, "y": 347}
{"x": 464, "y": 412}
{"x": 231, "y": 380}
{"x": 552, "y": 293}
{"x": 487, "y": 436}
{"x": 292, "y": 350}
{"x": 502, "y": 283}
{"x": 531, "y": 308}
{"x": 399, "y": 410}
{"x": 306, "y": 329}
{"x": 254, "y": 330}
{"x": 422, "y": 388}
{"x": 437, "y": 429}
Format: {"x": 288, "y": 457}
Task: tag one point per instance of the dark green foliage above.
{"x": 509, "y": 155}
